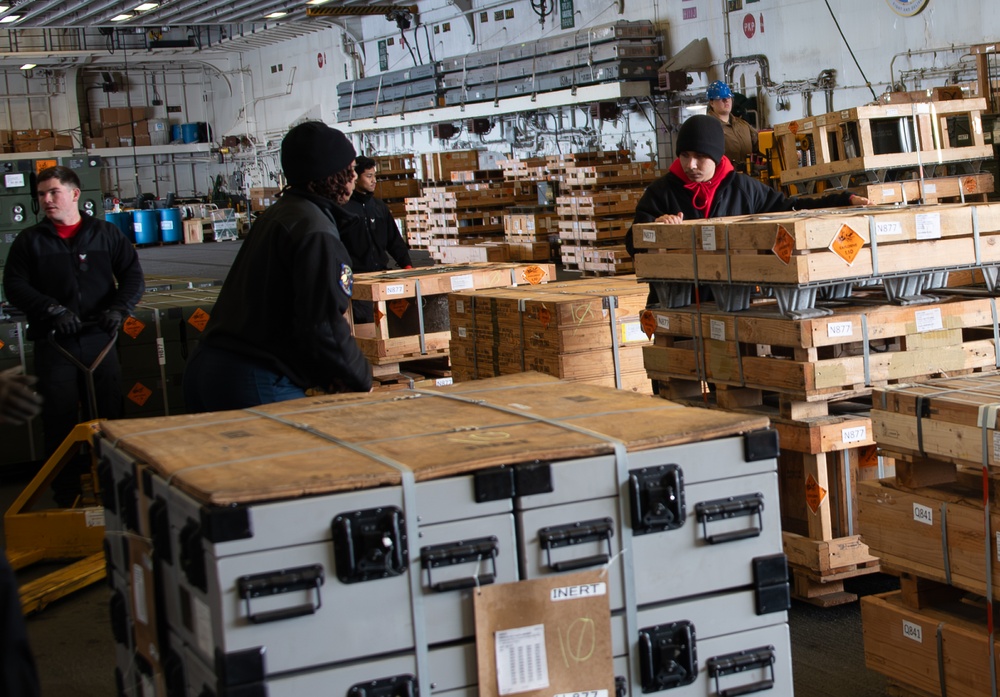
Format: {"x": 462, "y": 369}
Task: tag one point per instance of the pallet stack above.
{"x": 530, "y": 232}
{"x": 396, "y": 181}
{"x": 906, "y": 151}
{"x": 585, "y": 330}
{"x": 936, "y": 523}
{"x": 596, "y": 205}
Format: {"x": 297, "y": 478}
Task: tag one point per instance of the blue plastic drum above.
{"x": 171, "y": 225}
{"x": 189, "y": 132}
{"x": 147, "y": 226}
{"x": 123, "y": 221}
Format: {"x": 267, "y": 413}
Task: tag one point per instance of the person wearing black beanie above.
{"x": 278, "y": 327}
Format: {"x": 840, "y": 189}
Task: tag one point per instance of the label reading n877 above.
{"x": 649, "y": 235}
{"x": 395, "y": 289}
{"x": 923, "y": 514}
{"x": 837, "y": 329}
{"x": 854, "y": 435}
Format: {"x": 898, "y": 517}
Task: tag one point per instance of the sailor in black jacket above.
{"x": 278, "y": 327}
{"x": 67, "y": 271}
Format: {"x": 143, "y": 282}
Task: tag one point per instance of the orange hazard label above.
{"x": 815, "y": 494}
{"x": 139, "y": 393}
{"x": 379, "y": 315}
{"x": 133, "y": 327}
{"x": 545, "y": 317}
{"x": 199, "y": 319}
{"x": 784, "y": 245}
{"x": 534, "y": 275}
{"x": 868, "y": 456}
{"x": 647, "y": 321}
{"x": 398, "y": 307}
{"x": 969, "y": 185}
{"x": 44, "y": 164}
{"x": 847, "y": 244}
{"x": 793, "y": 127}
{"x": 2, "y": 344}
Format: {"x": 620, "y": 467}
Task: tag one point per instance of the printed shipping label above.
{"x": 460, "y": 307}
{"x": 913, "y": 631}
{"x": 462, "y": 282}
{"x": 522, "y": 664}
{"x": 94, "y": 517}
{"x": 139, "y": 594}
{"x": 662, "y": 322}
{"x": 649, "y": 235}
{"x": 928, "y": 226}
{"x": 996, "y": 446}
{"x": 717, "y": 329}
{"x": 632, "y": 331}
{"x": 923, "y": 514}
{"x": 708, "y": 238}
{"x": 928, "y": 320}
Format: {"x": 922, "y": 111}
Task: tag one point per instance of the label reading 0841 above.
{"x": 913, "y": 631}
{"x": 923, "y": 514}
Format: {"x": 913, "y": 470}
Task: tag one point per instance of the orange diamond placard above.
{"x": 847, "y": 244}
{"x": 198, "y": 319}
{"x": 545, "y": 317}
{"x": 398, "y": 307}
{"x": 868, "y": 456}
{"x": 647, "y": 321}
{"x": 534, "y": 275}
{"x": 793, "y": 127}
{"x": 133, "y": 327}
{"x": 379, "y": 315}
{"x": 815, "y": 494}
{"x": 139, "y": 393}
{"x": 784, "y": 245}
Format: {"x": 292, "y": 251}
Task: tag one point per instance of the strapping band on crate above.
{"x": 975, "y": 236}
{"x": 610, "y": 303}
{"x": 946, "y": 557}
{"x": 522, "y": 305}
{"x": 873, "y": 241}
{"x": 866, "y": 350}
{"x": 729, "y": 264}
{"x": 420, "y": 316}
{"x": 624, "y": 504}
{"x": 939, "y": 636}
{"x": 996, "y": 331}
{"x": 987, "y": 419}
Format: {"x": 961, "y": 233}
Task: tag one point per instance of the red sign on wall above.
{"x": 749, "y": 26}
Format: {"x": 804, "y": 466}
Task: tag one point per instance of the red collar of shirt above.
{"x": 702, "y": 193}
{"x": 68, "y": 232}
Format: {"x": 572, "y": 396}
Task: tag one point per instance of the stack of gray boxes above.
{"x": 334, "y": 580}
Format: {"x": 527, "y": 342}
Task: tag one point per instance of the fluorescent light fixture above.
{"x": 116, "y": 18}
{"x": 4, "y": 8}
{"x": 147, "y": 6}
{"x": 273, "y": 15}
{"x": 28, "y": 66}
{"x": 10, "y": 18}
{"x": 317, "y": 2}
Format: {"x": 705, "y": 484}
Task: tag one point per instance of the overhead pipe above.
{"x": 923, "y": 51}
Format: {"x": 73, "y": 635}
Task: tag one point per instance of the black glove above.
{"x": 64, "y": 321}
{"x": 18, "y": 402}
{"x": 110, "y": 321}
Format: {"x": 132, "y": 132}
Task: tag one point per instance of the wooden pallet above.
{"x": 827, "y": 590}
{"x": 594, "y": 229}
{"x": 973, "y": 187}
{"x": 861, "y": 140}
{"x": 598, "y": 204}
{"x": 607, "y": 176}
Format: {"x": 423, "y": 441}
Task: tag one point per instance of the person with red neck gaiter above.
{"x": 702, "y": 183}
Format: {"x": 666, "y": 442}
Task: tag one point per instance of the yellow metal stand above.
{"x": 56, "y": 534}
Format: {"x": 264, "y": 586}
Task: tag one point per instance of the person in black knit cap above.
{"x": 278, "y": 327}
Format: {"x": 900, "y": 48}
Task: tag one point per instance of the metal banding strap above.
{"x": 420, "y": 317}
{"x": 624, "y": 512}
{"x": 987, "y": 420}
{"x": 873, "y": 241}
{"x": 848, "y": 495}
{"x": 996, "y": 331}
{"x": 611, "y": 302}
{"x": 866, "y": 350}
{"x": 739, "y": 352}
{"x": 729, "y": 265}
{"x": 521, "y": 307}
{"x": 475, "y": 340}
{"x": 701, "y": 367}
{"x": 160, "y": 348}
{"x": 409, "y": 487}
{"x": 940, "y": 658}
{"x": 945, "y": 556}
{"x": 902, "y": 194}
{"x": 975, "y": 233}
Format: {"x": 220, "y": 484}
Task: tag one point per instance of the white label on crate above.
{"x": 161, "y": 351}
{"x": 996, "y": 446}
{"x": 584, "y": 590}
{"x": 928, "y": 320}
{"x": 462, "y": 282}
{"x": 584, "y": 693}
{"x": 463, "y": 333}
{"x": 888, "y": 192}
{"x": 921, "y": 108}
{"x": 139, "y": 593}
{"x": 888, "y": 227}
{"x": 892, "y": 112}
{"x": 923, "y": 514}
{"x": 928, "y": 226}
{"x": 202, "y": 625}
{"x": 806, "y": 125}
{"x": 708, "y": 238}
{"x": 854, "y": 435}
{"x": 460, "y": 307}
{"x": 12, "y": 180}
{"x": 395, "y": 289}
{"x": 94, "y": 517}
{"x": 913, "y": 631}
{"x": 649, "y": 235}
{"x": 930, "y": 189}
{"x": 663, "y": 322}
{"x": 717, "y": 329}
{"x": 441, "y": 382}
{"x": 839, "y": 329}
{"x": 520, "y": 659}
{"x": 632, "y": 331}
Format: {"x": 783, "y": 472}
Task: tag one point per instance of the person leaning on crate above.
{"x": 741, "y": 137}
{"x": 377, "y": 237}
{"x": 79, "y": 276}
{"x": 278, "y": 327}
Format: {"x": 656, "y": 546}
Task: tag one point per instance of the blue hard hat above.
{"x": 719, "y": 90}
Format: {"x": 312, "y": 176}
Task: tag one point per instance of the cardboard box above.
{"x": 262, "y": 197}
{"x": 95, "y": 143}
{"x": 143, "y": 139}
{"x": 140, "y": 113}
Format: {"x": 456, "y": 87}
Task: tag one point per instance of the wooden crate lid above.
{"x": 276, "y": 451}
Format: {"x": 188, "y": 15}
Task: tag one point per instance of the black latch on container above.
{"x": 396, "y": 686}
{"x": 740, "y": 662}
{"x": 657, "y": 495}
{"x": 771, "y": 588}
{"x": 668, "y": 656}
{"x": 128, "y": 504}
{"x": 105, "y": 477}
{"x": 461, "y": 552}
{"x": 159, "y": 528}
{"x": 244, "y": 667}
{"x": 760, "y": 445}
{"x": 621, "y": 687}
{"x": 533, "y": 478}
{"x": 121, "y": 630}
{"x": 728, "y": 508}
{"x": 556, "y": 536}
{"x": 226, "y": 523}
{"x": 494, "y": 484}
{"x": 191, "y": 555}
{"x": 282, "y": 581}
{"x": 369, "y": 544}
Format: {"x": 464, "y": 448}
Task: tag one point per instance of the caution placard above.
{"x": 198, "y": 320}
{"x": 647, "y": 320}
{"x": 847, "y": 244}
{"x": 398, "y": 307}
{"x": 133, "y": 327}
{"x": 815, "y": 494}
{"x": 784, "y": 245}
{"x": 534, "y": 275}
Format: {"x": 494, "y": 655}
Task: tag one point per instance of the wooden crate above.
{"x": 392, "y": 189}
{"x": 606, "y": 176}
{"x": 594, "y": 229}
{"x": 532, "y": 168}
{"x": 805, "y": 248}
{"x": 411, "y": 305}
{"x": 860, "y": 140}
{"x": 524, "y": 223}
{"x": 608, "y": 203}
{"x": 461, "y": 254}
{"x": 529, "y": 251}
{"x": 937, "y": 189}
{"x": 395, "y": 165}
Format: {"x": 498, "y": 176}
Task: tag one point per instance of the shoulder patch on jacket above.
{"x": 346, "y": 279}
